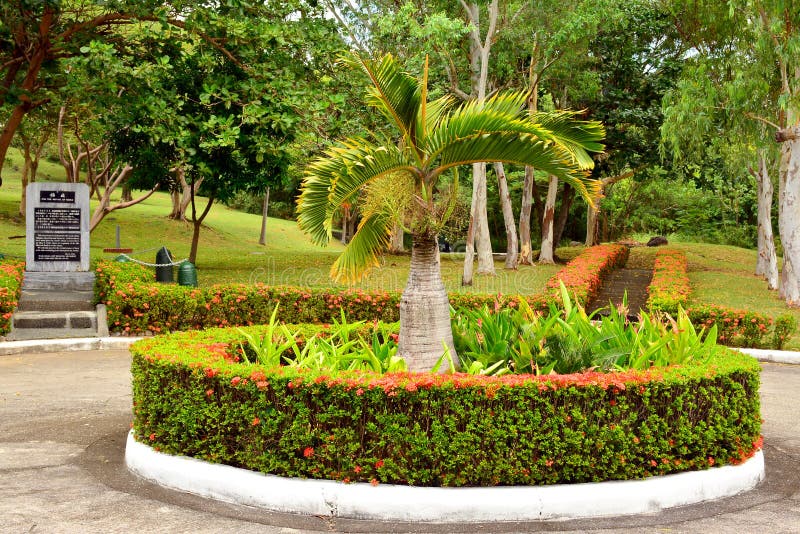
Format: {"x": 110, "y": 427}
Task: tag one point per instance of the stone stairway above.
{"x": 634, "y": 282}
{"x": 57, "y": 305}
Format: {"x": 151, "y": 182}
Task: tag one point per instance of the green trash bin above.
{"x": 187, "y": 274}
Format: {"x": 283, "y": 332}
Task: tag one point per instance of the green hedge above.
{"x": 11, "y": 272}
{"x": 669, "y": 287}
{"x": 136, "y": 304}
{"x": 191, "y": 398}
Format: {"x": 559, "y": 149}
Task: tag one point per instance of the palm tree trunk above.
{"x": 424, "y": 309}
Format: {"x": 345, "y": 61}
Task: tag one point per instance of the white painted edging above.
{"x": 387, "y": 502}
{"x": 8, "y": 348}
{"x": 769, "y": 355}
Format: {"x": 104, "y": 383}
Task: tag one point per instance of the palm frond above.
{"x": 576, "y": 136}
{"x": 361, "y": 252}
{"x": 395, "y": 94}
{"x": 338, "y": 175}
{"x": 515, "y": 148}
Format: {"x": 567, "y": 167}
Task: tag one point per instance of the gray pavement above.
{"x": 64, "y": 417}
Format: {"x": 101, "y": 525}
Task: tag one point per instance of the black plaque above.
{"x": 57, "y": 234}
{"x": 56, "y": 197}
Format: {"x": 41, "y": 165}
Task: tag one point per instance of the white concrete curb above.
{"x": 769, "y": 355}
{"x": 31, "y": 346}
{"x": 439, "y": 505}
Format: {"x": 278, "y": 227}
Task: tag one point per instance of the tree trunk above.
{"x": 262, "y": 240}
{"x": 483, "y": 241}
{"x": 425, "y": 328}
{"x": 396, "y": 245}
{"x": 546, "y": 252}
{"x": 767, "y": 263}
{"x": 197, "y": 223}
{"x": 508, "y": 217}
{"x": 26, "y": 174}
{"x": 345, "y": 225}
{"x": 175, "y": 198}
{"x": 563, "y": 214}
{"x": 127, "y": 193}
{"x": 526, "y": 248}
{"x": 479, "y": 72}
{"x": 591, "y": 226}
{"x": 788, "y": 219}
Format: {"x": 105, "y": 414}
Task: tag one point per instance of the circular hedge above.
{"x": 192, "y": 397}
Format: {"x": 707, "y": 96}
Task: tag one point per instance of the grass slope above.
{"x": 229, "y": 249}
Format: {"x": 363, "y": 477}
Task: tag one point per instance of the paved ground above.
{"x": 64, "y": 417}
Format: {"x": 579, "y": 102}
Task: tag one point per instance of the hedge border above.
{"x": 669, "y": 287}
{"x": 136, "y": 304}
{"x": 191, "y": 398}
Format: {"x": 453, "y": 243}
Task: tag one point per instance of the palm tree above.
{"x": 436, "y": 138}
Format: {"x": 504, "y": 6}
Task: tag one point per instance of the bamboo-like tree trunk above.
{"x": 425, "y": 328}
{"x": 546, "y": 252}
{"x": 789, "y": 214}
{"x": 767, "y": 263}
{"x": 508, "y": 217}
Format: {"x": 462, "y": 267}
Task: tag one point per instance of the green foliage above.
{"x": 669, "y": 288}
{"x": 11, "y": 273}
{"x": 192, "y": 398}
{"x": 567, "y": 340}
{"x": 436, "y": 138}
{"x": 136, "y": 304}
{"x": 785, "y": 327}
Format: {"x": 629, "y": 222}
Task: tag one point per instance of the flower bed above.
{"x": 11, "y": 273}
{"x": 584, "y": 274}
{"x": 669, "y": 287}
{"x": 192, "y": 398}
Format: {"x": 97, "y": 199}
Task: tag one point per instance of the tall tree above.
{"x": 436, "y": 139}
{"x": 36, "y": 35}
{"x": 740, "y": 81}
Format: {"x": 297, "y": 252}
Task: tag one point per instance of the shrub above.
{"x": 669, "y": 287}
{"x": 583, "y": 275}
{"x": 785, "y": 326}
{"x": 735, "y": 328}
{"x": 191, "y": 398}
{"x": 11, "y": 273}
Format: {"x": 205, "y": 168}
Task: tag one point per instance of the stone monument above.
{"x": 57, "y": 227}
{"x": 57, "y": 298}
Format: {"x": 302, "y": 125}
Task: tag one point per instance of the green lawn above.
{"x": 229, "y": 249}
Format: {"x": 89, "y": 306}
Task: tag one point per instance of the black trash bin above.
{"x": 164, "y": 271}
